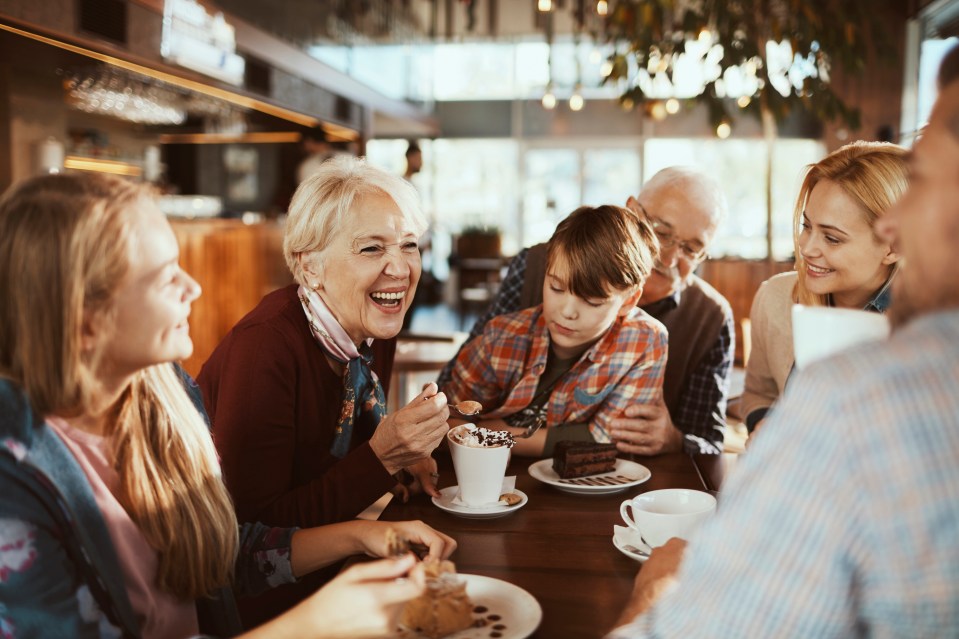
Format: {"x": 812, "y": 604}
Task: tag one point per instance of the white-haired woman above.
{"x": 296, "y": 390}
{"x": 114, "y": 520}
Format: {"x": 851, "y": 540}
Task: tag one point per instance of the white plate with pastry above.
{"x": 500, "y": 609}
{"x": 625, "y": 474}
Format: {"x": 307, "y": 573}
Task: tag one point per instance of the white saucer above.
{"x": 500, "y": 509}
{"x": 637, "y": 474}
{"x": 511, "y": 606}
{"x": 623, "y": 536}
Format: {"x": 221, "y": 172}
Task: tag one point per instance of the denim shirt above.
{"x": 59, "y": 572}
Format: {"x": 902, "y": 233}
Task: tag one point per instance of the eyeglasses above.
{"x": 668, "y": 240}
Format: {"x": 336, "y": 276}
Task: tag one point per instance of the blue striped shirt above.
{"x": 843, "y": 519}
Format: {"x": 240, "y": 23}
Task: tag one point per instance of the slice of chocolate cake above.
{"x": 578, "y": 459}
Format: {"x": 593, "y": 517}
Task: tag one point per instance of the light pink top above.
{"x": 160, "y": 614}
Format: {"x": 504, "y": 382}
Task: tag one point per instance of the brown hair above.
{"x": 604, "y": 246}
{"x": 65, "y": 247}
{"x": 873, "y": 174}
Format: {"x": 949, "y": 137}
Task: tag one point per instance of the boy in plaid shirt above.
{"x": 573, "y": 363}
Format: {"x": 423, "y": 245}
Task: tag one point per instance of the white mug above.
{"x": 660, "y": 515}
{"x": 821, "y": 331}
{"x": 479, "y": 470}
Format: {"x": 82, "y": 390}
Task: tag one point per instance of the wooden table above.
{"x": 558, "y": 547}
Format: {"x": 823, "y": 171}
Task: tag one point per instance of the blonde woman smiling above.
{"x": 840, "y": 260}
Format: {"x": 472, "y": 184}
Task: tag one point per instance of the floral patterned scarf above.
{"x": 364, "y": 403}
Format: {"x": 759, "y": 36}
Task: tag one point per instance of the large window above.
{"x": 525, "y": 189}
{"x": 740, "y": 168}
{"x": 472, "y": 70}
{"x": 928, "y": 38}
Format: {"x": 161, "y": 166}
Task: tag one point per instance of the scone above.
{"x": 444, "y": 608}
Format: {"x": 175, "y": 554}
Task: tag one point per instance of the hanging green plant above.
{"x": 765, "y": 57}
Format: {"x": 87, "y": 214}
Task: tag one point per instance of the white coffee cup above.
{"x": 660, "y": 515}
{"x": 821, "y": 331}
{"x": 480, "y": 470}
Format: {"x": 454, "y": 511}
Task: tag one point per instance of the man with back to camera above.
{"x": 685, "y": 208}
{"x": 843, "y": 519}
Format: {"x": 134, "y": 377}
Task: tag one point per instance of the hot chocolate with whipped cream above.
{"x": 480, "y": 437}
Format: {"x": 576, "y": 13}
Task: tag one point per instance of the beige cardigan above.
{"x": 771, "y": 358}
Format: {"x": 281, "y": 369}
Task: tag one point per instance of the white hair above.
{"x": 698, "y": 186}
{"x": 321, "y": 205}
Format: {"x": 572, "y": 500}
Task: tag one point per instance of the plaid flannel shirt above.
{"x": 501, "y": 369}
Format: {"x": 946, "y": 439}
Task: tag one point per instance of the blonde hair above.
{"x": 604, "y": 246}
{"x": 873, "y": 174}
{"x": 65, "y": 247}
{"x": 322, "y": 203}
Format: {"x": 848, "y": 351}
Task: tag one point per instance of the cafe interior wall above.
{"x": 292, "y": 80}
{"x": 33, "y": 105}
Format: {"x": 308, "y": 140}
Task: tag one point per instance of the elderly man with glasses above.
{"x": 684, "y": 208}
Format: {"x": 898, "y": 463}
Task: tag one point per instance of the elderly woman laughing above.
{"x": 296, "y": 390}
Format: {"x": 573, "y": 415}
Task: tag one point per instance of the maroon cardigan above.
{"x": 274, "y": 402}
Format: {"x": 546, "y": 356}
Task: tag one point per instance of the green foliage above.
{"x": 829, "y": 32}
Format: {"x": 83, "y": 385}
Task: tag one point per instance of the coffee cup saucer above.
{"x": 446, "y": 502}
{"x": 624, "y": 537}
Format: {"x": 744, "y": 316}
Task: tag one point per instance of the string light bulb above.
{"x": 544, "y": 5}
{"x": 576, "y": 101}
{"x": 723, "y": 130}
{"x": 672, "y": 106}
{"x": 549, "y": 98}
{"x": 602, "y": 7}
{"x": 658, "y": 111}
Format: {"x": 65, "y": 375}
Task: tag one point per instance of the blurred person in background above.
{"x": 414, "y": 160}
{"x": 317, "y": 149}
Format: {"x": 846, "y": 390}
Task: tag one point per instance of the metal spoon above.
{"x": 635, "y": 550}
{"x": 532, "y": 428}
{"x": 467, "y": 408}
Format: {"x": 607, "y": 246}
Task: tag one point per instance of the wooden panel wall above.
{"x": 236, "y": 264}
{"x": 738, "y": 280}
